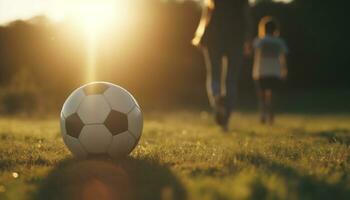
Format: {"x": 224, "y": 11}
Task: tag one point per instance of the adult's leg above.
{"x": 235, "y": 59}
{"x": 213, "y": 59}
{"x": 213, "y": 65}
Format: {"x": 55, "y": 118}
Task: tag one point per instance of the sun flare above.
{"x": 95, "y": 18}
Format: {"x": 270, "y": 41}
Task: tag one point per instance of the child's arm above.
{"x": 284, "y": 70}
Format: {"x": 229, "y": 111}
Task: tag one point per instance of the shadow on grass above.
{"x": 340, "y": 136}
{"x": 334, "y": 136}
{"x": 307, "y": 187}
{"x": 103, "y": 179}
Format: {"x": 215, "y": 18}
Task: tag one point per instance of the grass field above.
{"x": 183, "y": 155}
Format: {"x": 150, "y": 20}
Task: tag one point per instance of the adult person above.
{"x": 224, "y": 29}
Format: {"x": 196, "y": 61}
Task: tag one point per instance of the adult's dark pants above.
{"x": 223, "y": 65}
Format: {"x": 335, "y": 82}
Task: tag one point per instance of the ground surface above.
{"x": 183, "y": 155}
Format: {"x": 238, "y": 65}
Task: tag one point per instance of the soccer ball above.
{"x": 101, "y": 118}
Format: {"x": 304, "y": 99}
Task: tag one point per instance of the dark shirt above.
{"x": 228, "y": 24}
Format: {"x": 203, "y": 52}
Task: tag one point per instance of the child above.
{"x": 269, "y": 65}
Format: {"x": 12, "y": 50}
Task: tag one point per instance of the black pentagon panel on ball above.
{"x": 96, "y": 88}
{"x": 116, "y": 122}
{"x": 74, "y": 125}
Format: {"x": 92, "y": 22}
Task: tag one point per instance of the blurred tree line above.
{"x": 41, "y": 62}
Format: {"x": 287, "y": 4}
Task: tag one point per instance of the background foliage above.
{"x": 153, "y": 57}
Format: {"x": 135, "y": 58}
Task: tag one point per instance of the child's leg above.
{"x": 269, "y": 107}
{"x": 262, "y": 104}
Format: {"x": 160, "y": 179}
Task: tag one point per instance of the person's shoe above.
{"x": 221, "y": 113}
{"x": 271, "y": 119}
{"x": 219, "y": 109}
{"x": 224, "y": 127}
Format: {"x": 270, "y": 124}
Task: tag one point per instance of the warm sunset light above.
{"x": 109, "y": 99}
{"x": 95, "y": 18}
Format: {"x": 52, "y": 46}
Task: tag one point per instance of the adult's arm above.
{"x": 204, "y": 21}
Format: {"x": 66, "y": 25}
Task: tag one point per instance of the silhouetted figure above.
{"x": 224, "y": 27}
{"x": 269, "y": 65}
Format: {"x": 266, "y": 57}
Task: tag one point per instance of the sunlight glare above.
{"x": 96, "y": 18}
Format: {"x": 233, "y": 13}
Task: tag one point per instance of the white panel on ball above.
{"x": 74, "y": 146}
{"x": 120, "y": 99}
{"x": 95, "y": 138}
{"x": 122, "y": 145}
{"x": 94, "y": 109}
{"x": 72, "y": 103}
{"x": 63, "y": 126}
{"x": 135, "y": 122}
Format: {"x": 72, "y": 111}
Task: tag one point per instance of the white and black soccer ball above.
{"x": 101, "y": 118}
